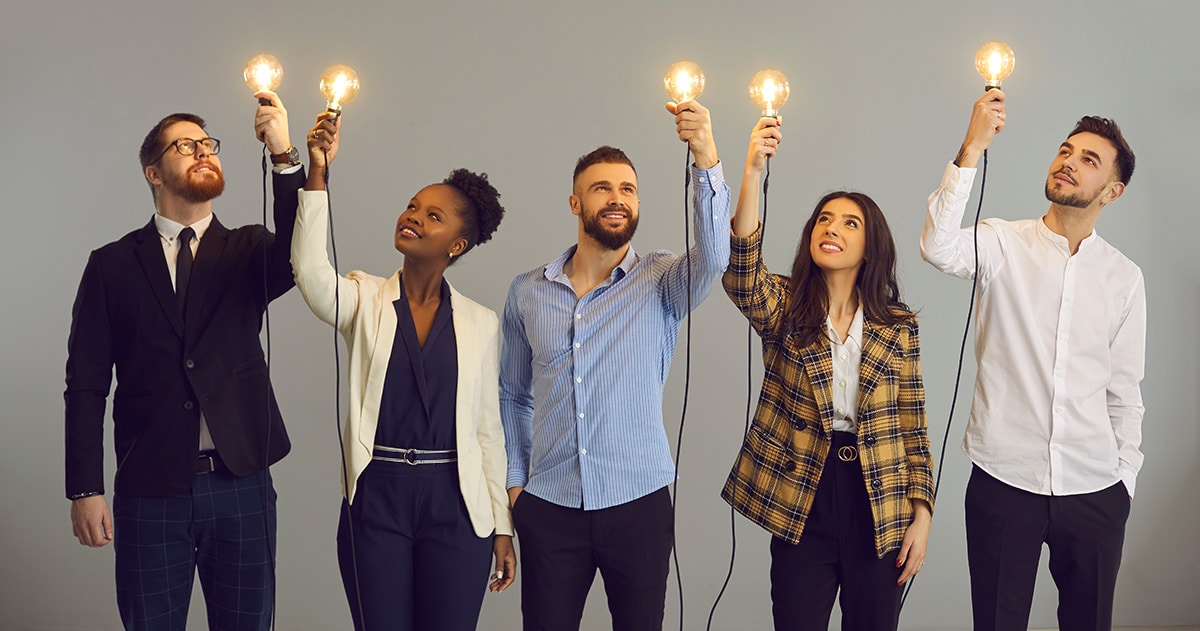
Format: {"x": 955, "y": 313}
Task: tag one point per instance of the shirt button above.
{"x": 842, "y": 383}
{"x": 583, "y": 452}
{"x": 839, "y": 410}
{"x": 579, "y": 380}
{"x": 577, "y": 345}
{"x": 577, "y": 316}
{"x": 581, "y": 415}
{"x": 843, "y": 356}
{"x": 190, "y": 363}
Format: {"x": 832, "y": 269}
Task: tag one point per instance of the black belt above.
{"x": 414, "y": 456}
{"x": 209, "y": 462}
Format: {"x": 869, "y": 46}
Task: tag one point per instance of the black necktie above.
{"x": 183, "y": 266}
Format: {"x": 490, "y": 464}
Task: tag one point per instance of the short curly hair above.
{"x": 480, "y": 211}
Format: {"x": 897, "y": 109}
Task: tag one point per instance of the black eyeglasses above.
{"x": 187, "y": 146}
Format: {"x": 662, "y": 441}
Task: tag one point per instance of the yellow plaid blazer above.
{"x": 775, "y": 475}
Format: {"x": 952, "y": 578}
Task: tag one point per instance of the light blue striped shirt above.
{"x": 581, "y": 380}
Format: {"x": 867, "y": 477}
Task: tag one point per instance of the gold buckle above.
{"x": 848, "y": 453}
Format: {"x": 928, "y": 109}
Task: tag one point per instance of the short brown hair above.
{"x": 152, "y": 145}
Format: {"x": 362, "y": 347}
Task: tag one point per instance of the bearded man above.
{"x": 1056, "y": 421}
{"x": 176, "y": 307}
{"x": 588, "y": 341}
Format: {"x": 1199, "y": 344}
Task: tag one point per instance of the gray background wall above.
{"x": 881, "y": 93}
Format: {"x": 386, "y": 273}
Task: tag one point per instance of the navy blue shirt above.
{"x": 417, "y": 410}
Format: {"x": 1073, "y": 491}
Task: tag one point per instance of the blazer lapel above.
{"x": 381, "y": 353}
{"x": 470, "y": 349}
{"x": 149, "y": 251}
{"x": 879, "y": 346}
{"x": 817, "y": 359}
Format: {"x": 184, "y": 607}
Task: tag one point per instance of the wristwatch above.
{"x": 291, "y": 157}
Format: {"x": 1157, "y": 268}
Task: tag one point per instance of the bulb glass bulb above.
{"x": 769, "y": 90}
{"x": 994, "y": 61}
{"x": 684, "y": 81}
{"x": 339, "y": 84}
{"x": 263, "y": 72}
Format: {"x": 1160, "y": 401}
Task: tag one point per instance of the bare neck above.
{"x": 843, "y": 294}
{"x": 591, "y": 264}
{"x": 422, "y": 280}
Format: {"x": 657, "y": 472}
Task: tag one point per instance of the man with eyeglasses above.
{"x": 177, "y": 306}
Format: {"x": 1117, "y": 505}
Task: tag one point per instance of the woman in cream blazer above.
{"x": 423, "y": 450}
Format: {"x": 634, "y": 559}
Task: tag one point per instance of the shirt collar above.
{"x": 856, "y": 329}
{"x": 554, "y": 269}
{"x": 1061, "y": 241}
{"x": 169, "y": 229}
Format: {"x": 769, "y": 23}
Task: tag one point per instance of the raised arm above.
{"x": 764, "y": 142}
{"x": 327, "y": 294}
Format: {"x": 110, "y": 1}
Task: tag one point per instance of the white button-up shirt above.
{"x": 847, "y": 357}
{"x": 1060, "y": 340}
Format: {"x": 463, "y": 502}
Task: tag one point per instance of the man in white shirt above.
{"x": 1056, "y": 419}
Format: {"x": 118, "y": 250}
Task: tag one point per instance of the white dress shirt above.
{"x": 847, "y": 357}
{"x": 1060, "y": 340}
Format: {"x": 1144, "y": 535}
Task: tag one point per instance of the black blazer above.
{"x": 169, "y": 368}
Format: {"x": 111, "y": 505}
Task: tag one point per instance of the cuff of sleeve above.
{"x": 712, "y": 179}
{"x": 79, "y": 496}
{"x": 286, "y": 169}
{"x": 515, "y": 478}
{"x": 958, "y": 179}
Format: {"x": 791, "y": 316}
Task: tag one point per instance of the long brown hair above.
{"x": 878, "y": 292}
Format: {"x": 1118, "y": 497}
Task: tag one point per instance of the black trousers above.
{"x": 1006, "y": 528}
{"x": 561, "y": 549}
{"x": 836, "y": 550}
{"x": 409, "y": 557}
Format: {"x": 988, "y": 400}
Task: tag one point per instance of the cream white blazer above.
{"x": 366, "y": 318}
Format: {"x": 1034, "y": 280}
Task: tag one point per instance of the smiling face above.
{"x": 196, "y": 178}
{"x": 838, "y": 240}
{"x": 606, "y": 201}
{"x": 1083, "y": 173}
{"x": 430, "y": 226}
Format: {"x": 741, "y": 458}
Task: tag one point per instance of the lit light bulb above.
{"x": 684, "y": 81}
{"x": 339, "y": 84}
{"x": 769, "y": 90}
{"x": 994, "y": 61}
{"x": 263, "y": 72}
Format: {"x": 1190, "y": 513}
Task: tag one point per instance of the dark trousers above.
{"x": 408, "y": 554}
{"x": 225, "y": 529}
{"x": 1006, "y": 528}
{"x": 561, "y": 549}
{"x": 836, "y": 550}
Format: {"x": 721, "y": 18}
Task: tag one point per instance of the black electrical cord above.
{"x": 337, "y": 397}
{"x": 749, "y": 399}
{"x": 962, "y": 349}
{"x": 267, "y": 444}
{"x": 687, "y": 373}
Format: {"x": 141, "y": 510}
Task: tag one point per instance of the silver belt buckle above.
{"x": 409, "y": 457}
{"x": 847, "y": 453}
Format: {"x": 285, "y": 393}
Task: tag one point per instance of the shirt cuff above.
{"x": 958, "y": 179}
{"x": 712, "y": 178}
{"x": 286, "y": 169}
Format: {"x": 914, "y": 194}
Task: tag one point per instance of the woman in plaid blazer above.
{"x": 836, "y": 465}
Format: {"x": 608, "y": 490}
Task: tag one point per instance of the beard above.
{"x": 194, "y": 191}
{"x": 594, "y": 227}
{"x": 1078, "y": 199}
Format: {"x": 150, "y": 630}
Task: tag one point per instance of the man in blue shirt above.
{"x": 588, "y": 341}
